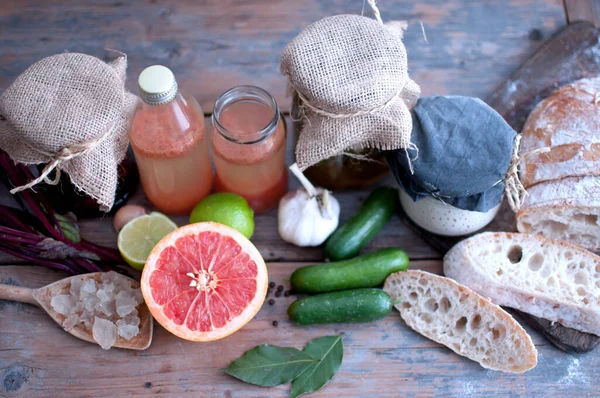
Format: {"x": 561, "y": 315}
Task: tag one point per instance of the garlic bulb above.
{"x": 307, "y": 216}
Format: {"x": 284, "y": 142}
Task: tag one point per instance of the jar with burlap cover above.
{"x": 350, "y": 76}
{"x": 70, "y": 112}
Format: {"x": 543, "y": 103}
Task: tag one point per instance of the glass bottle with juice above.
{"x": 170, "y": 144}
{"x": 248, "y": 146}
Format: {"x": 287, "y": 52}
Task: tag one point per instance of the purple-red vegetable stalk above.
{"x": 37, "y": 234}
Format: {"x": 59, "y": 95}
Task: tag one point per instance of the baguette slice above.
{"x": 455, "y": 316}
{"x": 549, "y": 279}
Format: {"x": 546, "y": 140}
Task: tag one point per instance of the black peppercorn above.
{"x": 275, "y": 323}
{"x": 271, "y": 302}
{"x": 271, "y": 285}
{"x": 278, "y": 293}
{"x": 279, "y": 288}
{"x": 286, "y": 293}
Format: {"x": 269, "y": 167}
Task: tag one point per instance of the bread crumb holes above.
{"x": 498, "y": 332}
{"x": 581, "y": 278}
{"x": 461, "y": 323}
{"x": 445, "y": 305}
{"x": 515, "y": 254}
{"x": 431, "y": 305}
{"x": 536, "y": 261}
{"x": 475, "y": 321}
{"x": 569, "y": 255}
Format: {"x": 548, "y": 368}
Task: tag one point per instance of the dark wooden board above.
{"x": 582, "y": 10}
{"x": 571, "y": 54}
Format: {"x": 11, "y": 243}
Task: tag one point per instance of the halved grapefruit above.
{"x": 204, "y": 281}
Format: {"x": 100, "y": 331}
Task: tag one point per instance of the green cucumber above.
{"x": 349, "y": 306}
{"x": 368, "y": 270}
{"x": 347, "y": 241}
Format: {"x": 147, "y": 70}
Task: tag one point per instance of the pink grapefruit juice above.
{"x": 171, "y": 150}
{"x": 248, "y": 145}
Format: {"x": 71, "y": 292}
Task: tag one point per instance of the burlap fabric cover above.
{"x": 351, "y": 75}
{"x": 71, "y": 112}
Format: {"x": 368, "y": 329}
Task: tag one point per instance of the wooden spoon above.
{"x": 41, "y": 297}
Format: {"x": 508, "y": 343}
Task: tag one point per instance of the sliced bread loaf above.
{"x": 549, "y": 279}
{"x": 567, "y": 209}
{"x": 462, "y": 320}
{"x": 568, "y": 123}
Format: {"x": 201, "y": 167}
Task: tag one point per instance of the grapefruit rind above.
{"x": 234, "y": 324}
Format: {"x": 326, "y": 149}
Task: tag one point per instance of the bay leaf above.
{"x": 269, "y": 365}
{"x": 329, "y": 350}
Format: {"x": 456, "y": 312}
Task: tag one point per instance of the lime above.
{"x": 139, "y": 236}
{"x": 228, "y": 209}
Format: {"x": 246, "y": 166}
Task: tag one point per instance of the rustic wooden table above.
{"x": 211, "y": 46}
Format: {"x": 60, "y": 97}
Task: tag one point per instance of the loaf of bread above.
{"x": 568, "y": 122}
{"x": 455, "y": 316}
{"x": 549, "y": 279}
{"x": 567, "y": 209}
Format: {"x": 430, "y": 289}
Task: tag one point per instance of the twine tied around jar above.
{"x": 60, "y": 157}
{"x": 513, "y": 187}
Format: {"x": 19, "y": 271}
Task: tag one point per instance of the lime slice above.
{"x": 139, "y": 236}
{"x": 228, "y": 209}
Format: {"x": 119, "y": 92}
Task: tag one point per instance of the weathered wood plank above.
{"x": 212, "y": 45}
{"x": 583, "y": 10}
{"x": 266, "y": 237}
{"x": 37, "y": 358}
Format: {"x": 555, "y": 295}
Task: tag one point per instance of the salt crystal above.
{"x": 78, "y": 306}
{"x": 63, "y": 304}
{"x": 89, "y": 303}
{"x": 128, "y": 331}
{"x": 104, "y": 332}
{"x": 75, "y": 287}
{"x": 125, "y": 303}
{"x": 105, "y": 307}
{"x": 102, "y": 295}
{"x": 70, "y": 321}
{"x": 87, "y": 319}
{"x": 106, "y": 277}
{"x": 88, "y": 287}
{"x": 109, "y": 287}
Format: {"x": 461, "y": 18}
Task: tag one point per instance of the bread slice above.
{"x": 462, "y": 320}
{"x": 549, "y": 279}
{"x": 566, "y": 209}
{"x": 568, "y": 122}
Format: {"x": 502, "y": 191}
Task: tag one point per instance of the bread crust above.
{"x": 457, "y": 317}
{"x": 568, "y": 122}
{"x": 550, "y": 279}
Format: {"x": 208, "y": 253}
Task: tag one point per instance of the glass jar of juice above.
{"x": 248, "y": 145}
{"x": 170, "y": 144}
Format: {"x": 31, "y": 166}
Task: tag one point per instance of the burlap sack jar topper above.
{"x": 70, "y": 112}
{"x": 350, "y": 76}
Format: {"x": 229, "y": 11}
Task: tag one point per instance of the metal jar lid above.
{"x": 157, "y": 85}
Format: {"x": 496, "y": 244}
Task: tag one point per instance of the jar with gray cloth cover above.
{"x": 467, "y": 158}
